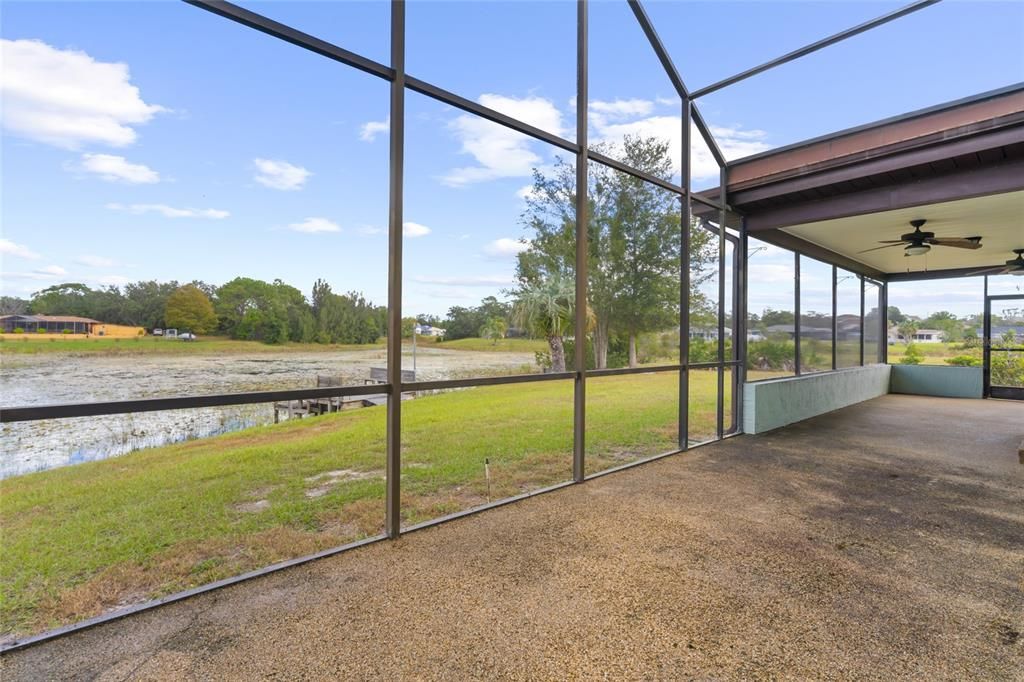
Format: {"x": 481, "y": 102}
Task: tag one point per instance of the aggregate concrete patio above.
{"x": 882, "y": 541}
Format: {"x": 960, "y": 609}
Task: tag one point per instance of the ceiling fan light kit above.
{"x": 919, "y": 242}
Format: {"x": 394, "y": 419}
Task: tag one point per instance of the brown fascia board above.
{"x": 1007, "y": 176}
{"x": 1000, "y": 109}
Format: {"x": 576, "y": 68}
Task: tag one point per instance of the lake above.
{"x": 46, "y": 379}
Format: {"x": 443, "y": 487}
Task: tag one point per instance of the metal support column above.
{"x": 835, "y": 316}
{"x": 861, "y": 280}
{"x": 721, "y": 303}
{"x": 684, "y": 285}
{"x": 740, "y": 326}
{"x": 883, "y": 320}
{"x": 580, "y": 345}
{"x": 796, "y": 313}
{"x": 393, "y": 513}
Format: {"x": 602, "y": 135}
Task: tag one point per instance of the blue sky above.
{"x": 155, "y": 140}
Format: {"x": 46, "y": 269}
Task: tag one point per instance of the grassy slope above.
{"x": 82, "y": 539}
{"x": 501, "y": 345}
{"x": 28, "y": 344}
{"x": 933, "y": 353}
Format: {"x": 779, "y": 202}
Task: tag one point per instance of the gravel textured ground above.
{"x": 884, "y": 541}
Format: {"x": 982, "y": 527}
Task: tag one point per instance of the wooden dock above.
{"x": 306, "y": 407}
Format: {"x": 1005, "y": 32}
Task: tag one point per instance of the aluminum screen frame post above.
{"x": 582, "y": 224}
{"x": 835, "y": 317}
{"x": 684, "y": 283}
{"x": 722, "y": 217}
{"x": 796, "y": 314}
{"x": 883, "y": 321}
{"x": 861, "y": 279}
{"x": 396, "y": 136}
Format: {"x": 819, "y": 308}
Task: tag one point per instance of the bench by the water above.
{"x": 379, "y": 375}
{"x": 318, "y": 406}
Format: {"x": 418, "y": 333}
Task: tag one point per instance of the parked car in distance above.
{"x": 187, "y": 336}
{"x": 158, "y": 332}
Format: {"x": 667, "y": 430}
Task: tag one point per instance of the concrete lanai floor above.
{"x": 882, "y": 541}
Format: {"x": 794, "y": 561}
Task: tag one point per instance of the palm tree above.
{"x": 907, "y": 329}
{"x": 546, "y": 309}
{"x": 494, "y": 329}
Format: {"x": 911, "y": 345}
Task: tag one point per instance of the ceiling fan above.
{"x": 1014, "y": 266}
{"x": 919, "y": 243}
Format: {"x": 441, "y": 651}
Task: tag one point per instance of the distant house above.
{"x": 708, "y": 333}
{"x": 929, "y": 336}
{"x": 920, "y": 336}
{"x": 53, "y": 324}
{"x": 427, "y": 330}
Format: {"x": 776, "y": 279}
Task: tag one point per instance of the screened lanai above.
{"x": 630, "y": 243}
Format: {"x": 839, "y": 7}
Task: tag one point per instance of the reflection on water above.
{"x": 32, "y": 446}
{"x": 30, "y": 380}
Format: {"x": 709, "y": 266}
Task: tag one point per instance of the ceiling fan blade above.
{"x": 891, "y": 241}
{"x": 882, "y": 247}
{"x": 956, "y": 242}
{"x": 997, "y": 270}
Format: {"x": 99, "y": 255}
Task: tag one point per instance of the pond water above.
{"x": 29, "y": 380}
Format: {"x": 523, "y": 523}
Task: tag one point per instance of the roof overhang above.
{"x": 960, "y": 165}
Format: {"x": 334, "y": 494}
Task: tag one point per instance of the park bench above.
{"x": 379, "y": 375}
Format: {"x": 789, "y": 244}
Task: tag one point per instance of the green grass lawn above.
{"x": 86, "y": 538}
{"x": 933, "y": 353}
{"x": 152, "y": 345}
{"x": 501, "y": 345}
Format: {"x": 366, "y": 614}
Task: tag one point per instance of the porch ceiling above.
{"x": 998, "y": 219}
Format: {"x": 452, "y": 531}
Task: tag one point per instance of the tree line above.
{"x": 244, "y": 308}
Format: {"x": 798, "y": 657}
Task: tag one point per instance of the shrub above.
{"x": 40, "y": 331}
{"x": 912, "y": 356}
{"x": 770, "y": 354}
{"x": 964, "y": 361}
{"x": 19, "y": 330}
{"x": 67, "y": 331}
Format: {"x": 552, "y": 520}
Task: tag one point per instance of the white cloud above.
{"x": 773, "y": 273}
{"x": 280, "y": 174}
{"x": 48, "y": 272}
{"x": 369, "y": 131}
{"x": 499, "y": 151}
{"x": 94, "y": 261}
{"x": 169, "y": 211}
{"x": 9, "y": 248}
{"x": 315, "y": 226}
{"x": 506, "y": 247}
{"x": 486, "y": 281}
{"x": 114, "y": 169}
{"x": 601, "y": 112}
{"x": 413, "y": 230}
{"x": 113, "y": 280}
{"x": 612, "y": 121}
{"x": 370, "y": 230}
{"x": 66, "y": 98}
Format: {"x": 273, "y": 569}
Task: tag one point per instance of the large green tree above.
{"x": 190, "y": 309}
{"x": 633, "y": 237}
